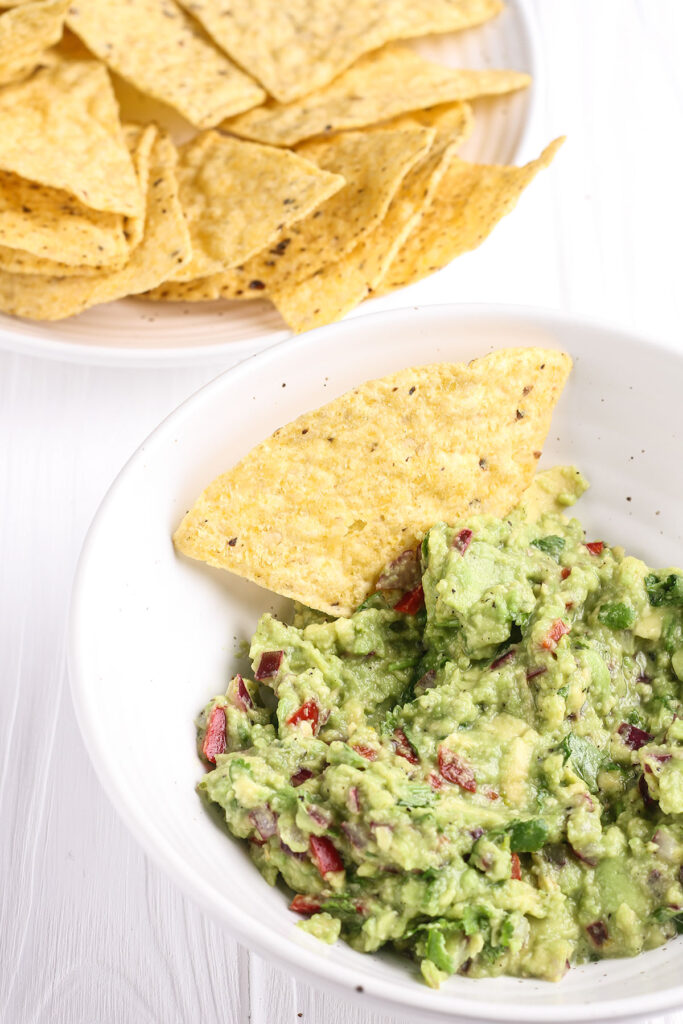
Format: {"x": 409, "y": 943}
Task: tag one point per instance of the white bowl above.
{"x": 137, "y": 332}
{"x": 153, "y": 635}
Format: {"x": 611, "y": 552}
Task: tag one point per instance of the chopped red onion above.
{"x": 667, "y": 847}
{"x": 215, "y": 738}
{"x": 401, "y": 574}
{"x": 455, "y": 769}
{"x": 353, "y": 800}
{"x": 503, "y": 659}
{"x": 269, "y": 664}
{"x": 462, "y": 541}
{"x": 632, "y": 736}
{"x": 598, "y": 932}
{"x": 354, "y": 834}
{"x": 264, "y": 821}
{"x": 325, "y": 856}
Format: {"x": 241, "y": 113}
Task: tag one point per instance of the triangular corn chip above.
{"x": 25, "y": 33}
{"x": 165, "y": 245}
{"x": 315, "y": 511}
{"x": 469, "y": 202}
{"x": 237, "y": 196}
{"x": 373, "y": 164}
{"x": 153, "y": 45}
{"x": 295, "y": 47}
{"x": 71, "y": 236}
{"x": 61, "y": 128}
{"x": 391, "y": 81}
{"x": 338, "y": 287}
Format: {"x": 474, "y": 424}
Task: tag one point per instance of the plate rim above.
{"x": 220, "y": 353}
{"x": 247, "y": 929}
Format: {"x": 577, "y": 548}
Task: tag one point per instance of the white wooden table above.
{"x": 90, "y": 931}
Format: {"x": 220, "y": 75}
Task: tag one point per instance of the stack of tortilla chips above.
{"x": 323, "y": 167}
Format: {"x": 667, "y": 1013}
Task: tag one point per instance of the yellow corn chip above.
{"x": 237, "y": 196}
{"x": 140, "y": 140}
{"x": 61, "y": 128}
{"x": 26, "y": 32}
{"x": 165, "y": 245}
{"x": 373, "y": 165}
{"x": 17, "y": 261}
{"x": 47, "y": 222}
{"x": 384, "y": 84}
{"x": 338, "y": 287}
{"x": 202, "y": 289}
{"x": 468, "y": 204}
{"x": 391, "y": 458}
{"x": 296, "y": 47}
{"x": 453, "y": 122}
{"x": 153, "y": 45}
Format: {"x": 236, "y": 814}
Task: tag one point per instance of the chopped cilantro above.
{"x": 551, "y": 545}
{"x": 436, "y": 950}
{"x": 417, "y": 795}
{"x": 527, "y": 836}
{"x": 616, "y": 615}
{"x": 664, "y": 591}
{"x": 585, "y": 757}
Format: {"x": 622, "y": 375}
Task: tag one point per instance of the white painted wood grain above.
{"x": 90, "y": 931}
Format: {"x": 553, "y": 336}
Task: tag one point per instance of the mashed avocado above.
{"x": 483, "y": 765}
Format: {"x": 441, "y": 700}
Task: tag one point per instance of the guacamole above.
{"x": 482, "y": 766}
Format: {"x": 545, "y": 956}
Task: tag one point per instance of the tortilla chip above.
{"x": 202, "y": 289}
{"x": 25, "y": 33}
{"x": 453, "y": 122}
{"x": 48, "y": 222}
{"x": 373, "y": 165}
{"x": 237, "y": 196}
{"x": 337, "y": 288}
{"x": 140, "y": 140}
{"x": 295, "y": 47}
{"x": 392, "y": 457}
{"x": 165, "y": 245}
{"x": 468, "y": 204}
{"x": 384, "y": 84}
{"x": 154, "y": 46}
{"x": 17, "y": 261}
{"x": 61, "y": 128}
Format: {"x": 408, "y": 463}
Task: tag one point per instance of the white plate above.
{"x": 135, "y": 332}
{"x": 153, "y": 636}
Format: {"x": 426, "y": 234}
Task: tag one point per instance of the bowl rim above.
{"x": 219, "y": 353}
{"x": 245, "y": 928}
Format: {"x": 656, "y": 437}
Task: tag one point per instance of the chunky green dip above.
{"x": 483, "y": 767}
